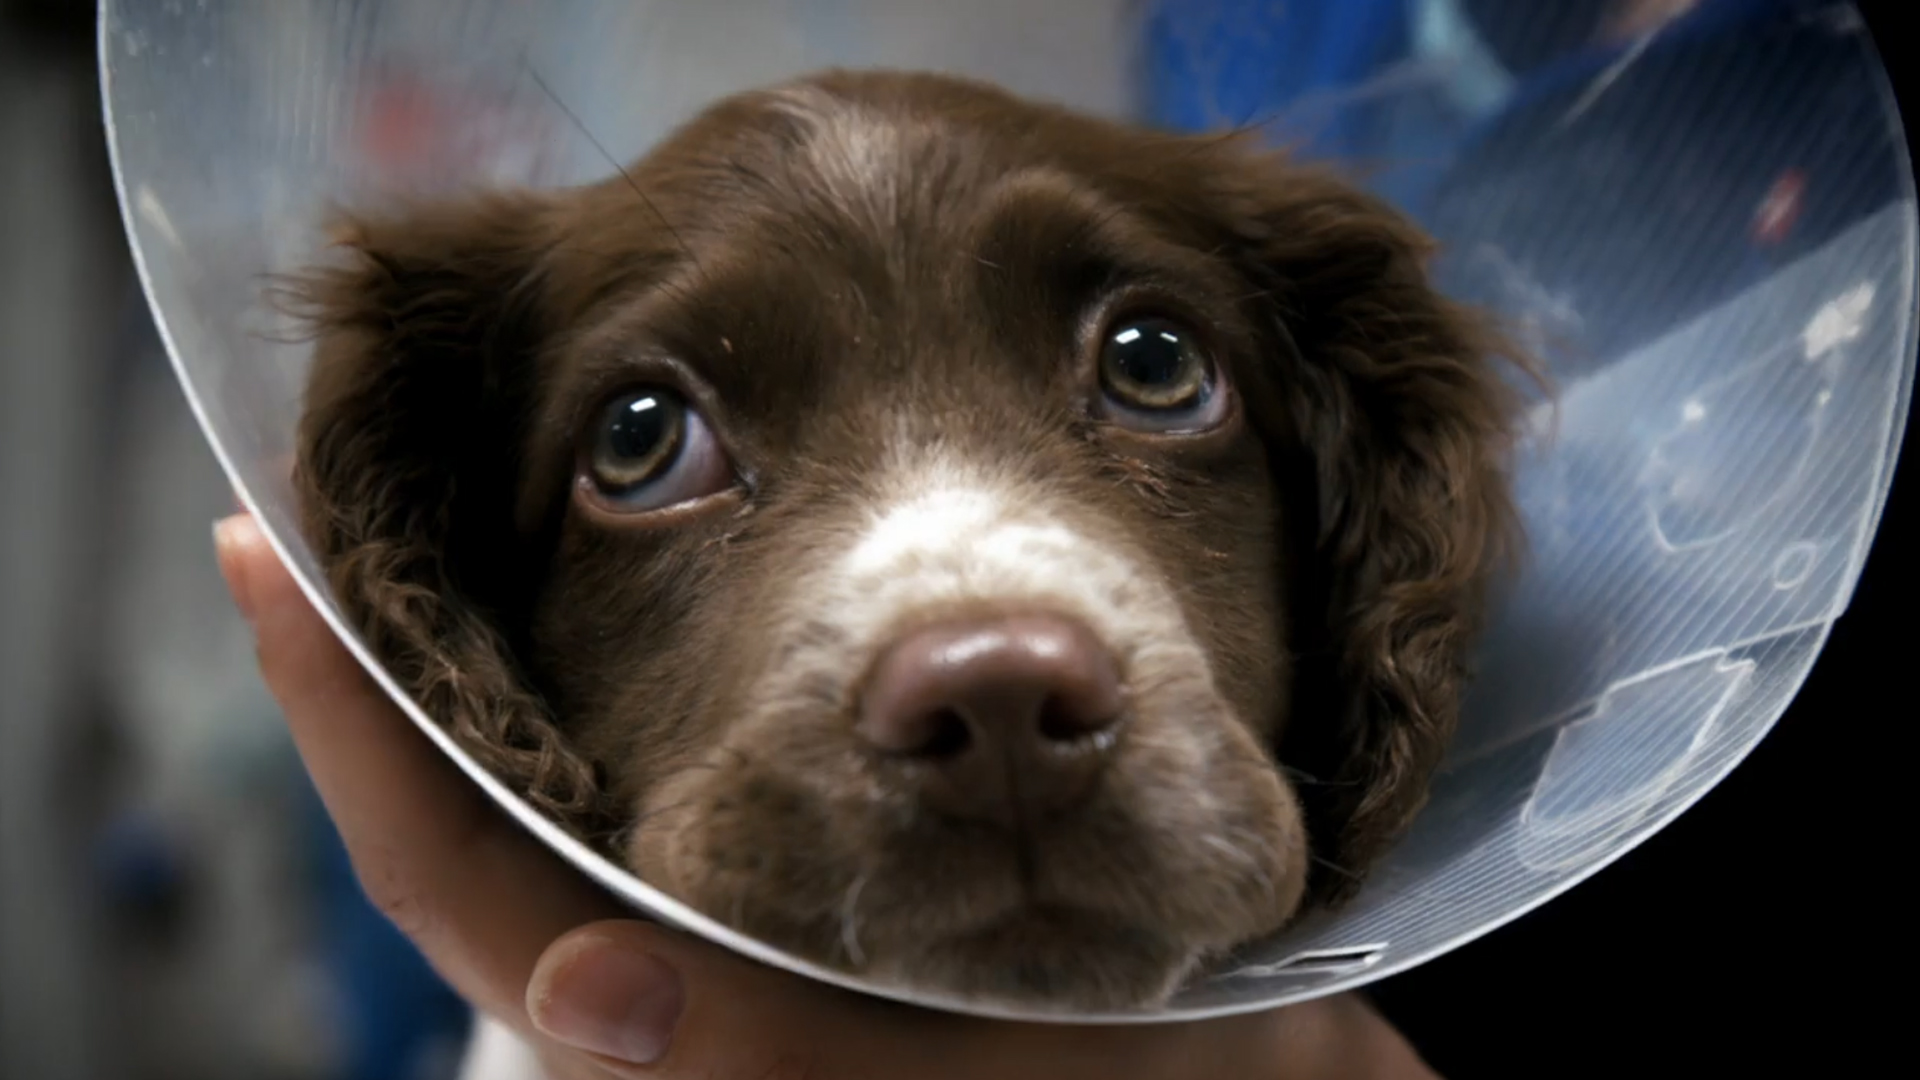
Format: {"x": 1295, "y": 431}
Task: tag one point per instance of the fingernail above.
{"x": 226, "y": 548}
{"x": 613, "y": 1001}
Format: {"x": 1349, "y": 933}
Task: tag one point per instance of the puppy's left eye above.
{"x": 1155, "y": 375}
{"x": 649, "y": 449}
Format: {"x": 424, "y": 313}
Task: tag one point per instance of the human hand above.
{"x": 596, "y": 993}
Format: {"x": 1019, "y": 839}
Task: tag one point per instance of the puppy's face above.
{"x": 911, "y": 525}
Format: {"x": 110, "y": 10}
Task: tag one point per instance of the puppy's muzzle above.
{"x": 1004, "y": 719}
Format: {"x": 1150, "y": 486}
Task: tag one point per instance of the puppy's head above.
{"x": 912, "y": 524}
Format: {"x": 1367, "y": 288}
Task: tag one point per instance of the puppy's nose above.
{"x": 1011, "y": 716}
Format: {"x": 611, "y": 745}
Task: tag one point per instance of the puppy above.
{"x": 913, "y": 525}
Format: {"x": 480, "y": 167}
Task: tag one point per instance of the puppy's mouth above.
{"x": 1182, "y": 846}
{"x": 1046, "y": 955}
{"x": 1051, "y": 915}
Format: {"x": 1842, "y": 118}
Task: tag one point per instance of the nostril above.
{"x": 950, "y": 737}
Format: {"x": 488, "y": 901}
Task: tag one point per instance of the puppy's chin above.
{"x": 1107, "y": 909}
{"x": 1049, "y": 959}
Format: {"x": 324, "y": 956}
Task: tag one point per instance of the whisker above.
{"x": 1261, "y": 872}
{"x": 850, "y": 922}
{"x": 1306, "y": 780}
{"x": 581, "y": 126}
{"x": 1335, "y": 867}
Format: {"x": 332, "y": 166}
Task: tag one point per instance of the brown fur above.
{"x": 830, "y": 268}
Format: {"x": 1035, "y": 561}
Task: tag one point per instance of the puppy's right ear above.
{"x": 427, "y": 335}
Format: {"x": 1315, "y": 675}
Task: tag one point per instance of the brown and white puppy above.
{"x": 912, "y": 524}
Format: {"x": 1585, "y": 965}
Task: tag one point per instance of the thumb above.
{"x": 606, "y": 991}
{"x": 642, "y": 1000}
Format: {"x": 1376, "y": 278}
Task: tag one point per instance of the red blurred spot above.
{"x": 412, "y": 129}
{"x": 1777, "y": 213}
{"x": 401, "y": 119}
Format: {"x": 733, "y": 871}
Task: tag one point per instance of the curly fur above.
{"x": 1405, "y": 428}
{"x": 420, "y": 331}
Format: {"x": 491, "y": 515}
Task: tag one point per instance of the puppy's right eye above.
{"x": 649, "y": 450}
{"x": 1155, "y": 376}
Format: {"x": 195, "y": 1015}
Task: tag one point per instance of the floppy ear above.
{"x": 426, "y": 342}
{"x": 1396, "y": 433}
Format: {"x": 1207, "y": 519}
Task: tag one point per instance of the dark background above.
{"x": 1761, "y": 932}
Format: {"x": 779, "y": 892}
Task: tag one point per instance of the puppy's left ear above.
{"x": 1392, "y": 438}
{"x": 429, "y": 331}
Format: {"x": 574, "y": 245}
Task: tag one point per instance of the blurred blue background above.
{"x": 173, "y": 902}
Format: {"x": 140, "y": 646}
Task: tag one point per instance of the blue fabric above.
{"x": 1645, "y": 204}
{"x": 1289, "y": 68}
{"x": 1637, "y": 200}
{"x": 399, "y": 1020}
{"x": 1226, "y": 63}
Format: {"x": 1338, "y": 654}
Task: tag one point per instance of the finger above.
{"x": 640, "y": 1000}
{"x": 479, "y": 896}
{"x": 605, "y": 991}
